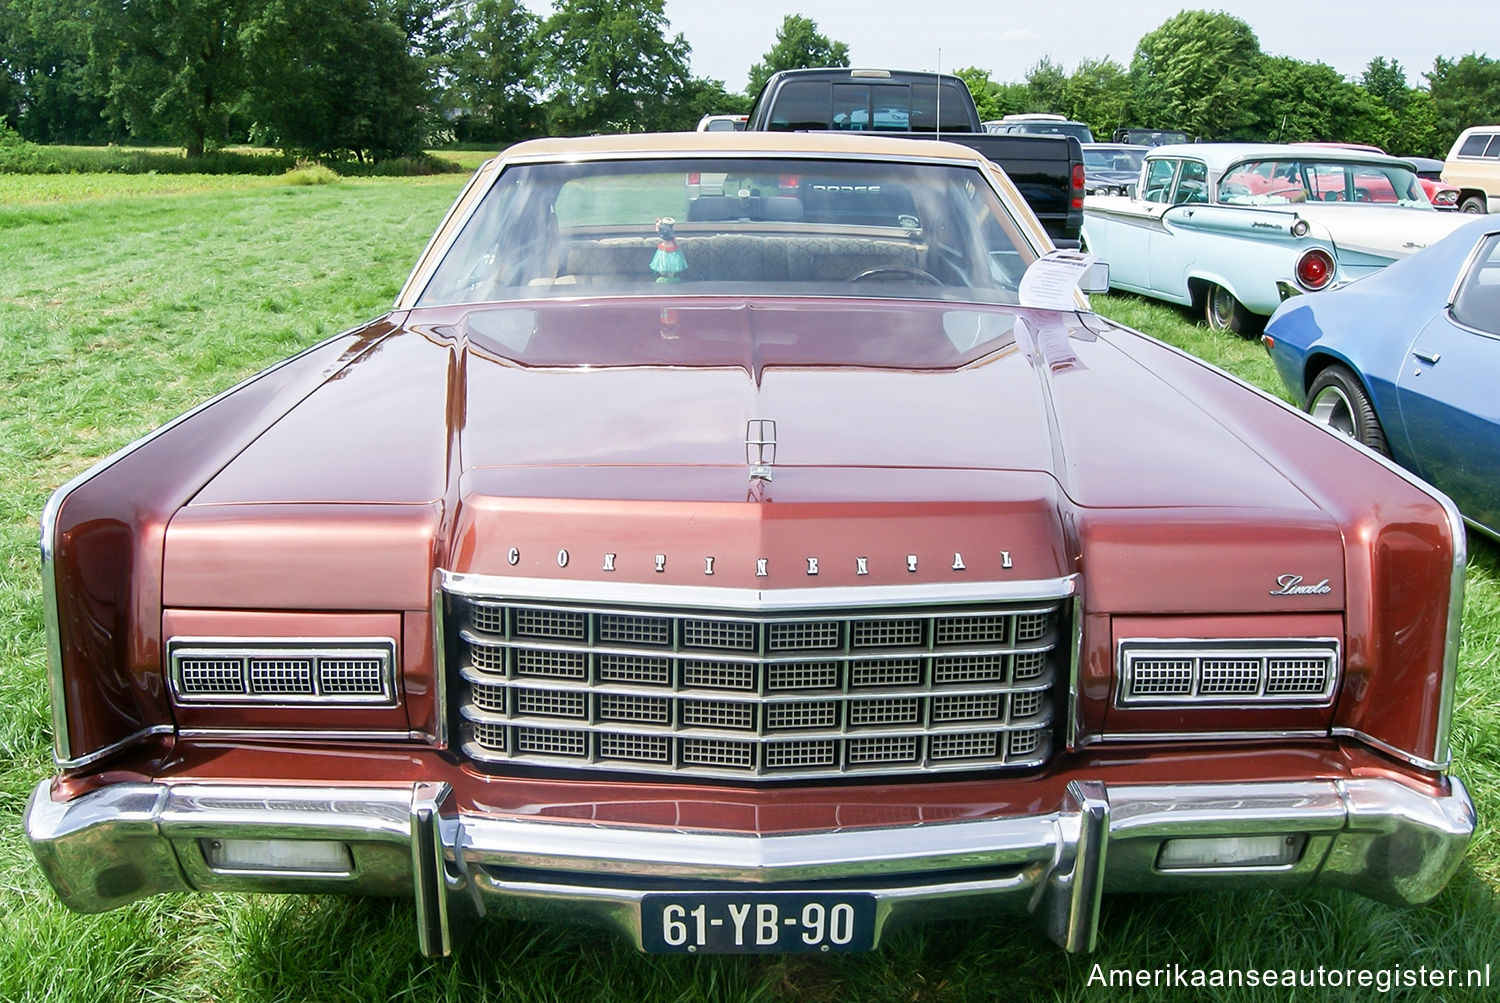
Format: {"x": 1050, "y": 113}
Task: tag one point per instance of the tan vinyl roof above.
{"x": 689, "y": 143}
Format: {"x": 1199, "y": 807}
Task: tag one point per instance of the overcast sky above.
{"x": 1007, "y": 38}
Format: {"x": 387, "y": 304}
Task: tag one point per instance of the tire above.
{"x": 1222, "y": 312}
{"x": 1473, "y": 204}
{"x": 1337, "y": 399}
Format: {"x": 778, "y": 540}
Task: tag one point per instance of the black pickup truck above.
{"x": 1048, "y": 170}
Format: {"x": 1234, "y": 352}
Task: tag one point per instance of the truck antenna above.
{"x": 937, "y": 127}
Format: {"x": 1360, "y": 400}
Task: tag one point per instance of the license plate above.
{"x": 765, "y": 923}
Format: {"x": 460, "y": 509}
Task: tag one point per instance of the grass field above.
{"x": 117, "y": 313}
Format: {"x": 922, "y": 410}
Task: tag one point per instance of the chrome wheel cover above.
{"x": 1221, "y": 307}
{"x": 1333, "y": 408}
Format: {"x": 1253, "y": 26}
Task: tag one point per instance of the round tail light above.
{"x": 1315, "y": 269}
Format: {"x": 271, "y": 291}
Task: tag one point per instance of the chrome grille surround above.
{"x": 264, "y": 670}
{"x": 694, "y": 690}
{"x": 1233, "y": 672}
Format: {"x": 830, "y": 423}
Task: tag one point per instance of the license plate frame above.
{"x": 739, "y": 922}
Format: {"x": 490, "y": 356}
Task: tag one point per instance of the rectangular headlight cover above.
{"x": 1242, "y": 672}
{"x": 319, "y": 671}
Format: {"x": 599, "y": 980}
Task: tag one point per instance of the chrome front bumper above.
{"x": 1377, "y": 837}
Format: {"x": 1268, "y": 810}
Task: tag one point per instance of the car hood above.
{"x": 914, "y": 443}
{"x": 536, "y": 401}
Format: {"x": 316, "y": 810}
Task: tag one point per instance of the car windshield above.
{"x": 1113, "y": 159}
{"x": 1273, "y": 182}
{"x": 1074, "y": 129}
{"x": 726, "y": 226}
{"x": 1150, "y": 137}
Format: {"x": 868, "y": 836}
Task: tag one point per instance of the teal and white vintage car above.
{"x": 1233, "y": 229}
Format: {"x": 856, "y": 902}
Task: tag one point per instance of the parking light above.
{"x": 300, "y": 856}
{"x": 1277, "y": 850}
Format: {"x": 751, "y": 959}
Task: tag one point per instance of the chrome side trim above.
{"x": 62, "y": 740}
{"x": 1442, "y": 750}
{"x": 62, "y": 746}
{"x": 1207, "y": 736}
{"x": 1442, "y": 753}
{"x": 1074, "y": 709}
{"x": 1437, "y": 766}
{"x": 499, "y": 587}
{"x": 330, "y": 734}
{"x": 114, "y": 747}
{"x": 440, "y": 661}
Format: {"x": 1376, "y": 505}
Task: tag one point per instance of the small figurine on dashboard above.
{"x": 668, "y": 261}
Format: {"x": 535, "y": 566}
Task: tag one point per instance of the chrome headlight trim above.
{"x": 1254, "y": 686}
{"x": 281, "y": 662}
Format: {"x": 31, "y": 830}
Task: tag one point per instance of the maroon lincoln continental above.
{"x": 747, "y": 565}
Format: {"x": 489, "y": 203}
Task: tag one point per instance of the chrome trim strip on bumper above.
{"x": 1377, "y": 836}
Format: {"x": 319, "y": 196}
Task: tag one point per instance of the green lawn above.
{"x": 117, "y": 313}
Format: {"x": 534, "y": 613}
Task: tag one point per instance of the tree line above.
{"x": 1205, "y": 74}
{"x": 374, "y": 79}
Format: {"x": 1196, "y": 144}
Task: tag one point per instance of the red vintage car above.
{"x": 759, "y": 571}
{"x": 1429, "y": 175}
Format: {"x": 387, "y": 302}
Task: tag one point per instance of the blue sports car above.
{"x": 1407, "y": 361}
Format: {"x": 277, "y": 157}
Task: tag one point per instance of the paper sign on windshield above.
{"x": 1051, "y": 283}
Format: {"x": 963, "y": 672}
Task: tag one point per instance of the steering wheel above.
{"x": 885, "y": 273}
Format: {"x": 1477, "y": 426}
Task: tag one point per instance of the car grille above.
{"x": 771, "y": 696}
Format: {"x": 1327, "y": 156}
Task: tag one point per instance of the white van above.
{"x": 1473, "y": 166}
{"x": 722, "y": 123}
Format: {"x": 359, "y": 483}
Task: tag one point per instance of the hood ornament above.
{"x": 760, "y": 447}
